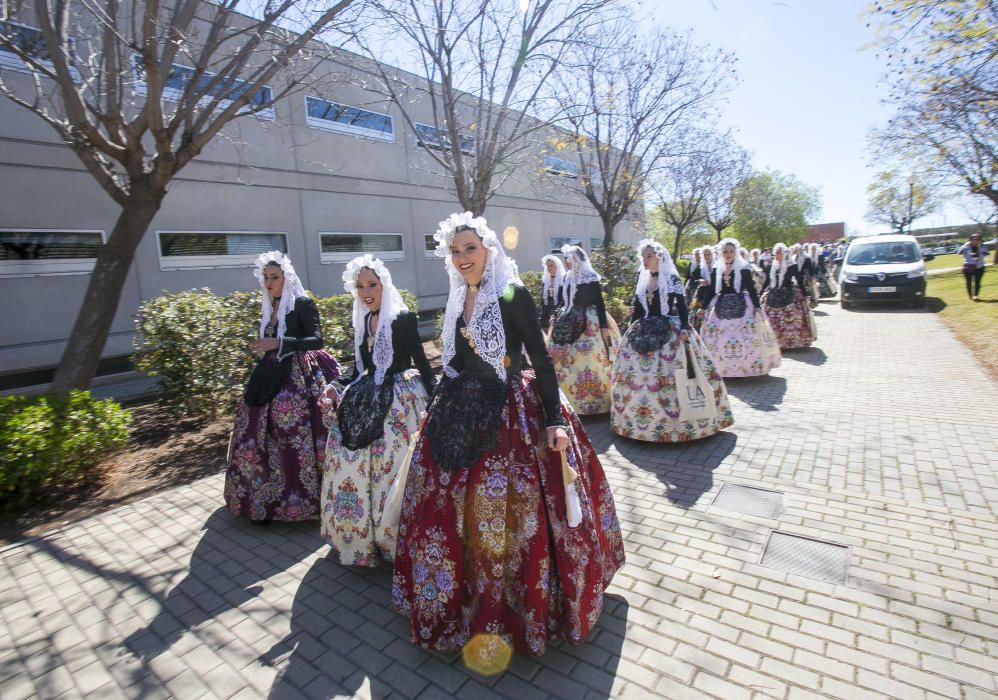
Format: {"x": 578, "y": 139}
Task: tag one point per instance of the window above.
{"x": 332, "y": 116}
{"x": 30, "y": 41}
{"x": 342, "y": 247}
{"x": 558, "y": 241}
{"x": 431, "y": 137}
{"x": 181, "y": 76}
{"x": 184, "y": 250}
{"x": 595, "y": 243}
{"x": 430, "y": 245}
{"x": 562, "y": 168}
{"x": 48, "y": 252}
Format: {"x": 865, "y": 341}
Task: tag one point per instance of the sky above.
{"x": 808, "y": 93}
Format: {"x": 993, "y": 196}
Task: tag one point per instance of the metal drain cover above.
{"x": 749, "y": 500}
{"x": 807, "y": 557}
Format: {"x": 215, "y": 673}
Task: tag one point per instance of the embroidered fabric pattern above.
{"x": 730, "y": 306}
{"x": 568, "y": 327}
{"x": 649, "y": 334}
{"x": 780, "y": 297}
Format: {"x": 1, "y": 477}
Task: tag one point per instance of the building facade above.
{"x": 325, "y": 175}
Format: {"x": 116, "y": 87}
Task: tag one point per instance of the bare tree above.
{"x": 137, "y": 90}
{"x": 682, "y": 184}
{"x": 898, "y": 201}
{"x": 626, "y": 100}
{"x": 942, "y": 57}
{"x": 729, "y": 165}
{"x": 479, "y": 72}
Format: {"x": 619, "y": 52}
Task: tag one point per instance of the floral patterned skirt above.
{"x": 276, "y": 451}
{"x": 734, "y": 343}
{"x": 791, "y": 323}
{"x": 583, "y": 368}
{"x": 356, "y": 482}
{"x": 645, "y": 402}
{"x": 485, "y": 554}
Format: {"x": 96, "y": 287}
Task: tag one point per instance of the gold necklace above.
{"x": 471, "y": 341}
{"x": 370, "y": 335}
{"x": 474, "y": 287}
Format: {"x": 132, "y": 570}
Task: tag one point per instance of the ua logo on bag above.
{"x": 694, "y": 393}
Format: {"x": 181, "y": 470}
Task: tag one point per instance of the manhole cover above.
{"x": 807, "y": 557}
{"x": 749, "y": 500}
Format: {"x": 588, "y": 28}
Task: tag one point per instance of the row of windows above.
{"x": 40, "y": 252}
{"x": 319, "y": 113}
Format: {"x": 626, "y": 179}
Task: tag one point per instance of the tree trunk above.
{"x": 607, "y": 234}
{"x": 675, "y": 245}
{"x": 100, "y": 302}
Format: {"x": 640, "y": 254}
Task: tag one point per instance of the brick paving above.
{"x": 880, "y": 439}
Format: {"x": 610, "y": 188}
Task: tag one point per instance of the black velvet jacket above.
{"x": 748, "y": 285}
{"x": 677, "y": 307}
{"x": 792, "y": 274}
{"x": 519, "y": 321}
{"x": 705, "y": 293}
{"x": 407, "y": 351}
{"x": 549, "y": 304}
{"x": 303, "y": 331}
{"x": 591, "y": 294}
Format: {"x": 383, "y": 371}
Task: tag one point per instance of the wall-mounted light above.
{"x": 510, "y": 237}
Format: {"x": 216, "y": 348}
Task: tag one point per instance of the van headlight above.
{"x": 915, "y": 274}
{"x": 850, "y": 277}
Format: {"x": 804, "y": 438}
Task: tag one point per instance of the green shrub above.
{"x": 533, "y": 280}
{"x": 194, "y": 342}
{"x": 49, "y": 441}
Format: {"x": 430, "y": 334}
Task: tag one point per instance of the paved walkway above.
{"x": 880, "y": 439}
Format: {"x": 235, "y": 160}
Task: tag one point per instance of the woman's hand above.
{"x": 328, "y": 397}
{"x": 557, "y": 438}
{"x": 262, "y": 345}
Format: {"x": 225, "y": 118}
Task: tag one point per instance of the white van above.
{"x": 883, "y": 268}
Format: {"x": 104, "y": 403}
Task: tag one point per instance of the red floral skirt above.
{"x": 277, "y": 451}
{"x": 485, "y": 551}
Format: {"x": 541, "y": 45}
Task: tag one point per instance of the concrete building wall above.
{"x": 278, "y": 176}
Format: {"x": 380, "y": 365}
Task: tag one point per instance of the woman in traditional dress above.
{"x": 278, "y": 444}
{"x": 733, "y": 330}
{"x": 705, "y": 286}
{"x": 825, "y": 284}
{"x": 802, "y": 258}
{"x": 552, "y": 294}
{"x": 378, "y": 415}
{"x": 498, "y": 549}
{"x": 758, "y": 273}
{"x": 659, "y": 343}
{"x": 785, "y": 303}
{"x": 692, "y": 277}
{"x": 584, "y": 338}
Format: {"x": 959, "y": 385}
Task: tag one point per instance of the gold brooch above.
{"x": 471, "y": 341}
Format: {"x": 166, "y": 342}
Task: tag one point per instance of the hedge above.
{"x": 194, "y": 343}
{"x": 49, "y": 441}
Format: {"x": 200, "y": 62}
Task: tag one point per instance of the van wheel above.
{"x": 846, "y": 304}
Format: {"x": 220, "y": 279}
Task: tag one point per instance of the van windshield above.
{"x": 880, "y": 253}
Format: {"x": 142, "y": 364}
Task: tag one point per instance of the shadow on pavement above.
{"x": 762, "y": 393}
{"x": 223, "y": 574}
{"x": 811, "y": 356}
{"x": 686, "y": 468}
{"x": 346, "y": 640}
{"x": 934, "y": 304}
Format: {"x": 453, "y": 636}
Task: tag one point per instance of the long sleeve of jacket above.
{"x": 600, "y": 305}
{"x": 748, "y": 284}
{"x": 309, "y": 329}
{"x": 523, "y": 314}
{"x": 679, "y": 304}
{"x": 409, "y": 328}
{"x": 637, "y": 311}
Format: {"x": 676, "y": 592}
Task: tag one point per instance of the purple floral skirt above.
{"x": 277, "y": 451}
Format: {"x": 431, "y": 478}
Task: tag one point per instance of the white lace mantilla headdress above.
{"x": 778, "y": 271}
{"x": 293, "y": 288}
{"x": 582, "y": 272}
{"x": 559, "y": 277}
{"x": 720, "y": 266}
{"x": 485, "y": 326}
{"x": 668, "y": 276}
{"x": 391, "y": 306}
